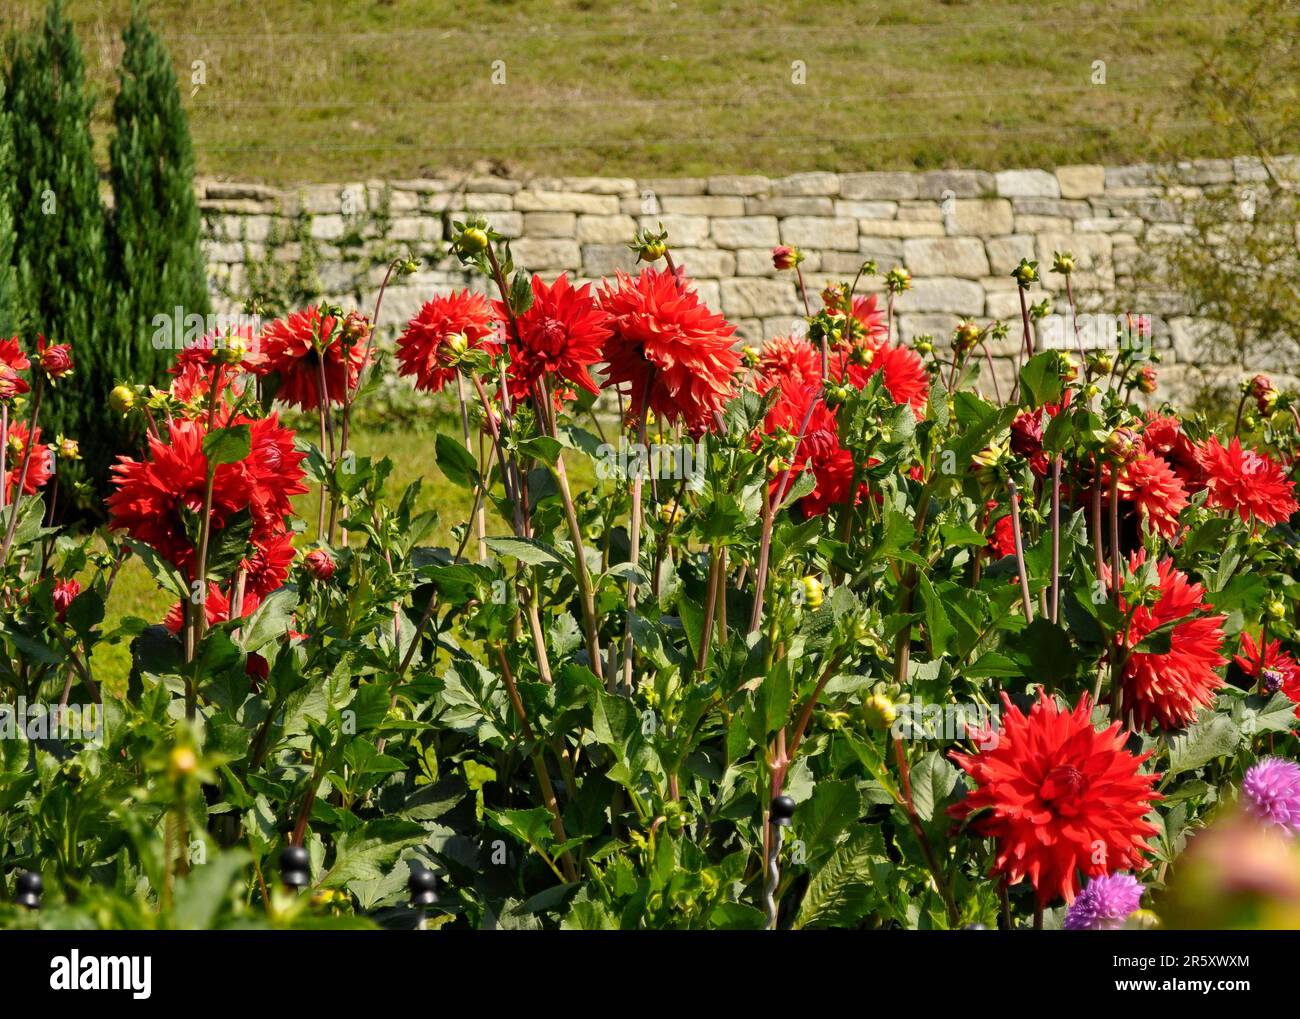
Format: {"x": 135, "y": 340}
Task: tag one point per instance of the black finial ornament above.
{"x": 28, "y": 888}
{"x": 422, "y": 884}
{"x": 295, "y": 867}
{"x": 782, "y": 810}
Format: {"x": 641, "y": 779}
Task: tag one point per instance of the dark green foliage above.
{"x": 155, "y": 263}
{"x": 8, "y": 275}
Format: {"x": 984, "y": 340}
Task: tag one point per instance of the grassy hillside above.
{"x": 339, "y": 89}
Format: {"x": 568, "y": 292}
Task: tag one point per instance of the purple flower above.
{"x": 1271, "y": 791}
{"x": 1105, "y": 904}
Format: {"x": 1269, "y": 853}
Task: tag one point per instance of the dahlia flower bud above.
{"x": 990, "y": 456}
{"x": 1091, "y": 390}
{"x": 69, "y": 449}
{"x": 650, "y": 246}
{"x": 1277, "y": 608}
{"x": 879, "y": 712}
{"x": 966, "y": 335}
{"x": 897, "y": 280}
{"x": 1025, "y": 274}
{"x": 836, "y": 394}
{"x": 1143, "y": 920}
{"x": 473, "y": 240}
{"x": 786, "y": 257}
{"x": 1101, "y": 363}
{"x": 1063, "y": 262}
{"x": 1261, "y": 388}
{"x": 1122, "y": 444}
{"x": 55, "y": 359}
{"x": 832, "y": 297}
{"x": 812, "y": 592}
{"x": 64, "y": 592}
{"x": 1067, "y": 365}
{"x": 670, "y": 515}
{"x": 231, "y": 350}
{"x": 182, "y": 761}
{"x": 1041, "y": 310}
{"x": 751, "y": 355}
{"x": 15, "y": 448}
{"x": 320, "y": 564}
{"x": 408, "y": 266}
{"x": 356, "y": 329}
{"x": 1147, "y": 380}
{"x": 121, "y": 399}
{"x": 924, "y": 344}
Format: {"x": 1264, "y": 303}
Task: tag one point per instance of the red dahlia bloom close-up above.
{"x": 1246, "y": 482}
{"x": 268, "y": 567}
{"x": 1274, "y": 668}
{"x": 788, "y": 357}
{"x": 1169, "y": 688}
{"x": 426, "y": 350}
{"x": 12, "y": 361}
{"x": 1159, "y": 494}
{"x": 155, "y": 497}
{"x": 666, "y": 344}
{"x": 560, "y": 338}
{"x": 904, "y": 375}
{"x": 290, "y": 349}
{"x": 1058, "y": 798}
{"x": 819, "y": 450}
{"x": 39, "y": 470}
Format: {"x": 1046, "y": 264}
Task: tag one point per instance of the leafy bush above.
{"x": 839, "y": 636}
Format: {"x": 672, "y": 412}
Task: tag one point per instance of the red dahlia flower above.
{"x": 667, "y": 346}
{"x": 819, "y": 450}
{"x": 39, "y": 471}
{"x": 560, "y": 335}
{"x": 1163, "y": 435}
{"x": 216, "y": 607}
{"x": 64, "y": 592}
{"x": 12, "y": 361}
{"x": 1246, "y": 482}
{"x": 1274, "y": 668}
{"x": 425, "y": 350}
{"x": 1170, "y": 688}
{"x": 1059, "y": 798}
{"x": 788, "y": 357}
{"x": 268, "y": 567}
{"x": 155, "y": 498}
{"x": 1159, "y": 494}
{"x": 904, "y": 374}
{"x": 55, "y": 358}
{"x": 290, "y": 349}
{"x": 870, "y": 320}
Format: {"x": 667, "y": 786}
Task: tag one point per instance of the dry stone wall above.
{"x": 958, "y": 232}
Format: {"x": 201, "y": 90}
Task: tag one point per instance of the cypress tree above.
{"x": 155, "y": 261}
{"x": 59, "y": 226}
{"x": 9, "y": 296}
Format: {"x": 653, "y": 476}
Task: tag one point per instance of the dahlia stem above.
{"x": 507, "y": 477}
{"x": 634, "y": 536}
{"x": 710, "y": 608}
{"x": 1020, "y": 550}
{"x": 1074, "y": 315}
{"x": 1097, "y": 547}
{"x": 587, "y": 590}
{"x": 905, "y": 780}
{"x": 480, "y": 513}
{"x": 1056, "y": 538}
{"x": 4, "y": 452}
{"x": 38, "y": 390}
{"x": 539, "y": 765}
{"x": 997, "y": 389}
{"x": 770, "y": 508}
{"x": 1024, "y": 315}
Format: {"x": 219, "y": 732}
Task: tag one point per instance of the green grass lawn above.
{"x": 341, "y": 89}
